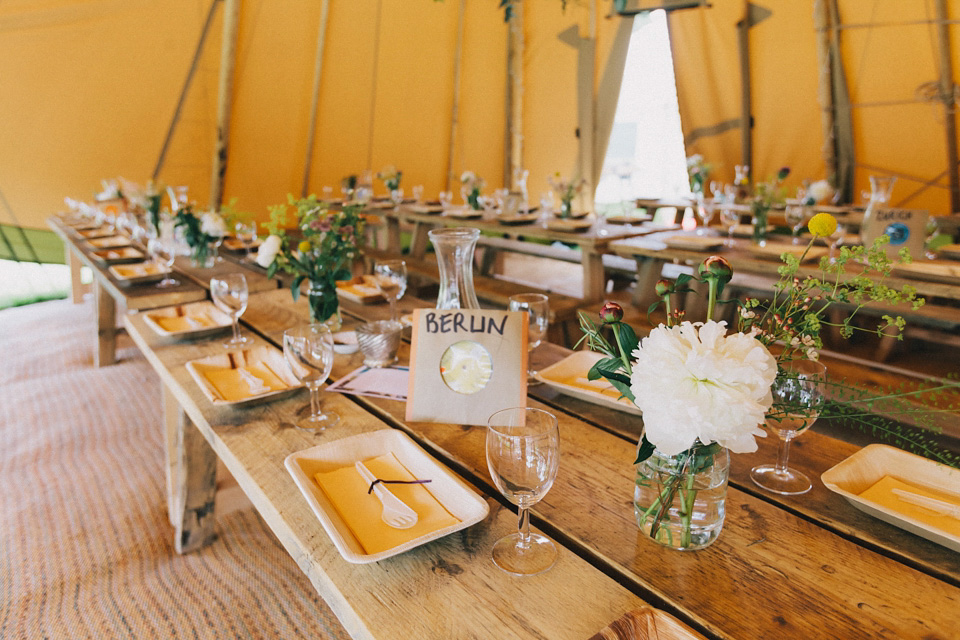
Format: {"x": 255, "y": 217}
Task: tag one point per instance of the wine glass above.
{"x": 246, "y": 234}
{"x": 391, "y": 279}
{"x": 523, "y": 453}
{"x": 163, "y": 253}
{"x": 446, "y": 199}
{"x": 836, "y": 239}
{"x": 796, "y": 215}
{"x": 729, "y": 218}
{"x": 537, "y": 306}
{"x": 230, "y": 293}
{"x": 308, "y": 350}
{"x": 705, "y": 211}
{"x": 396, "y": 196}
{"x": 798, "y": 396}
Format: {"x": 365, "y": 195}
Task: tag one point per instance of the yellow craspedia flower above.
{"x": 822, "y": 225}
{"x": 305, "y": 246}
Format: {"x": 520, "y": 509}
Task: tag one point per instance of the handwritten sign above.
{"x": 906, "y": 228}
{"x": 466, "y": 364}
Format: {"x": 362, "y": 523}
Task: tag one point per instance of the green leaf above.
{"x": 272, "y": 269}
{"x": 644, "y": 451}
{"x": 295, "y": 286}
{"x": 653, "y": 306}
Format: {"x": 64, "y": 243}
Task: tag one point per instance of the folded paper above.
{"x": 882, "y": 494}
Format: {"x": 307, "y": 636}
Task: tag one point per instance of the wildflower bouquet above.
{"x": 391, "y": 177}
{"x": 766, "y": 195}
{"x": 697, "y": 171}
{"x": 202, "y": 233}
{"x": 472, "y": 185}
{"x": 566, "y": 190}
{"x": 330, "y": 241}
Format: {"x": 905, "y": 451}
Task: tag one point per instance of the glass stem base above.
{"x": 524, "y": 555}
{"x": 785, "y": 481}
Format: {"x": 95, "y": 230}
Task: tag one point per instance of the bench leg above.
{"x": 594, "y": 276}
{"x": 105, "y": 352}
{"x": 195, "y": 489}
{"x": 419, "y": 241}
{"x": 648, "y": 273}
{"x": 76, "y": 284}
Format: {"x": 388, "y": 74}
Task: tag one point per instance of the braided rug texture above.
{"x": 86, "y": 549}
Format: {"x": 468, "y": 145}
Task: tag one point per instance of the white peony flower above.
{"x": 268, "y": 251}
{"x": 692, "y": 381}
{"x": 820, "y": 191}
{"x": 213, "y": 225}
{"x": 468, "y": 177}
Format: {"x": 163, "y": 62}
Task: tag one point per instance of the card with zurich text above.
{"x": 906, "y": 228}
{"x": 466, "y": 364}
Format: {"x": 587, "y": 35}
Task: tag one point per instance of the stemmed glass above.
{"x": 729, "y": 218}
{"x": 796, "y": 215}
{"x": 163, "y": 254}
{"x": 391, "y": 279}
{"x": 537, "y": 306}
{"x": 230, "y": 293}
{"x": 836, "y": 239}
{"x": 798, "y": 397}
{"x": 308, "y": 350}
{"x": 705, "y": 210}
{"x": 523, "y": 453}
{"x": 246, "y": 234}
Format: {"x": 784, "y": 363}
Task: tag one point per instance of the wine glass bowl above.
{"x": 163, "y": 253}
{"x": 729, "y": 218}
{"x": 523, "y": 455}
{"x": 836, "y": 239}
{"x": 391, "y": 279}
{"x": 308, "y": 350}
{"x": 796, "y": 215}
{"x": 230, "y": 294}
{"x": 537, "y": 307}
{"x": 798, "y": 397}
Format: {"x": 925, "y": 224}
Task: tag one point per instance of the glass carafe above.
{"x": 454, "y": 249}
{"x": 881, "y": 188}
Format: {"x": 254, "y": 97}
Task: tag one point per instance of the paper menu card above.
{"x": 882, "y": 494}
{"x": 361, "y": 511}
{"x": 466, "y": 364}
{"x": 906, "y": 228}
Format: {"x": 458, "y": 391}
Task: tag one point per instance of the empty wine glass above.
{"x": 537, "y": 306}
{"x": 705, "y": 211}
{"x": 836, "y": 239}
{"x": 246, "y": 234}
{"x": 163, "y": 253}
{"x": 230, "y": 293}
{"x": 391, "y": 279}
{"x": 396, "y": 196}
{"x": 798, "y": 397}
{"x": 418, "y": 193}
{"x": 308, "y": 350}
{"x": 796, "y": 215}
{"x": 446, "y": 199}
{"x": 523, "y": 453}
{"x": 729, "y": 218}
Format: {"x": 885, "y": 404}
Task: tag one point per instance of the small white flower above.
{"x": 694, "y": 382}
{"x": 820, "y": 190}
{"x": 812, "y": 354}
{"x": 268, "y": 251}
{"x": 468, "y": 177}
{"x": 213, "y": 225}
{"x": 747, "y": 313}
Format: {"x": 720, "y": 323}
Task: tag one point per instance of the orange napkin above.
{"x": 232, "y": 386}
{"x": 361, "y": 511}
{"x": 882, "y": 494}
{"x": 175, "y": 324}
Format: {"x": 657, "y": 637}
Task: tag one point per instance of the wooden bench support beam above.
{"x": 195, "y": 489}
{"x": 105, "y": 352}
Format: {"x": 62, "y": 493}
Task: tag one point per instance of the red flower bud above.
{"x": 663, "y": 287}
{"x": 611, "y": 312}
{"x": 716, "y": 267}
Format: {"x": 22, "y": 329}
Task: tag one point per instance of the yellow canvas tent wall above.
{"x": 90, "y": 89}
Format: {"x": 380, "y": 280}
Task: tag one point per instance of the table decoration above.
{"x": 327, "y": 477}
{"x": 391, "y": 180}
{"x": 698, "y": 170}
{"x": 472, "y": 185}
{"x": 331, "y": 241}
{"x": 203, "y": 234}
{"x": 567, "y": 190}
{"x": 703, "y": 391}
{"x": 766, "y": 195}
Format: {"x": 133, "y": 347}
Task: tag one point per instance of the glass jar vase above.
{"x": 455, "y": 249}
{"x": 324, "y": 304}
{"x": 680, "y": 500}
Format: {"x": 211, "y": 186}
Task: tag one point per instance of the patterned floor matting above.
{"x": 86, "y": 550}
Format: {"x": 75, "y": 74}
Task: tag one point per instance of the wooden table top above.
{"x": 784, "y": 567}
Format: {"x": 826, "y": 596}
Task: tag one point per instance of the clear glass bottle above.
{"x": 455, "y": 249}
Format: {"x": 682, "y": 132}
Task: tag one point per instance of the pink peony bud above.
{"x": 611, "y": 312}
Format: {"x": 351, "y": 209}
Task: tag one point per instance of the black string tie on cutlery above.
{"x": 374, "y": 483}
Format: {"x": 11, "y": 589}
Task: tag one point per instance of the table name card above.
{"x": 906, "y": 228}
{"x": 466, "y": 364}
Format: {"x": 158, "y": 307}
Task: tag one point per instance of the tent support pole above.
{"x": 515, "y": 93}
{"x": 821, "y": 19}
{"x": 746, "y": 119}
{"x": 586, "y": 112}
{"x": 228, "y": 58}
{"x": 448, "y": 177}
{"x": 949, "y": 101}
{"x": 185, "y": 89}
{"x": 315, "y": 100}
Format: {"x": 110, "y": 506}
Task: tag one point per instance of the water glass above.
{"x": 391, "y": 279}
{"x": 523, "y": 454}
{"x": 537, "y": 306}
{"x": 163, "y": 253}
{"x": 230, "y": 294}
{"x": 729, "y": 218}
{"x": 308, "y": 350}
{"x": 379, "y": 342}
{"x": 246, "y": 234}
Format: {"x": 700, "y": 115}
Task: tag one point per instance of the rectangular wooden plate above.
{"x": 569, "y": 376}
{"x": 269, "y": 357}
{"x": 204, "y": 309}
{"x": 118, "y": 256}
{"x": 137, "y": 273}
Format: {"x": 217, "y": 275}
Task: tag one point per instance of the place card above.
{"x": 380, "y": 382}
{"x": 466, "y": 364}
{"x": 906, "y": 228}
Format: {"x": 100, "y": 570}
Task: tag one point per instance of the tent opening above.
{"x": 645, "y": 157}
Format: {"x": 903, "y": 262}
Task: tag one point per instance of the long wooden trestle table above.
{"x": 807, "y": 566}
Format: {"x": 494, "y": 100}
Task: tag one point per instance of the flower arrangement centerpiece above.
{"x": 697, "y": 171}
{"x": 704, "y": 390}
{"x": 321, "y": 251}
{"x": 766, "y": 195}
{"x": 153, "y": 197}
{"x": 470, "y": 189}
{"x": 566, "y": 190}
{"x": 203, "y": 233}
{"x": 390, "y": 177}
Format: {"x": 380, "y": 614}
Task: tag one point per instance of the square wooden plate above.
{"x": 266, "y": 356}
{"x": 204, "y": 310}
{"x": 118, "y": 256}
{"x": 137, "y": 273}
{"x": 569, "y": 376}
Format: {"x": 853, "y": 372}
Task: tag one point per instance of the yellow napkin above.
{"x": 882, "y": 494}
{"x": 361, "y": 511}
{"x": 174, "y": 324}
{"x": 136, "y": 270}
{"x": 231, "y": 386}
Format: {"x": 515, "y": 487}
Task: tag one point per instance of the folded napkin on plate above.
{"x": 361, "y": 511}
{"x": 174, "y": 324}
{"x": 882, "y": 494}
{"x": 598, "y": 386}
{"x": 235, "y": 384}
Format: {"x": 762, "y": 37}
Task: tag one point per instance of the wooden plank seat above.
{"x": 491, "y": 246}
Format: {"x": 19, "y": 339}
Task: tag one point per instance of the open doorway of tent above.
{"x": 645, "y": 157}
{"x": 27, "y": 282}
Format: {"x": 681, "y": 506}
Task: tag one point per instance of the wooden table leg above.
{"x": 105, "y": 352}
{"x": 393, "y": 235}
{"x": 419, "y": 241}
{"x": 171, "y": 427}
{"x": 194, "y": 494}
{"x": 76, "y": 284}
{"x": 594, "y": 276}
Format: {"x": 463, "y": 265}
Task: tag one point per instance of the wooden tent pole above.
{"x": 586, "y": 112}
{"x": 821, "y": 22}
{"x": 948, "y": 97}
{"x": 315, "y": 100}
{"x": 186, "y": 87}
{"x": 515, "y": 92}
{"x": 746, "y": 118}
{"x": 228, "y": 57}
{"x": 455, "y": 115}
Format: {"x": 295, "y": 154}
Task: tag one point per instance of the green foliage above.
{"x": 232, "y": 215}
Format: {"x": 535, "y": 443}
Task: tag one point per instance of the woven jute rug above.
{"x": 86, "y": 549}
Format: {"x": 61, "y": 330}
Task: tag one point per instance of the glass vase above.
{"x": 204, "y": 255}
{"x": 324, "y": 304}
{"x": 761, "y": 214}
{"x": 454, "y": 249}
{"x": 566, "y": 208}
{"x": 679, "y": 501}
